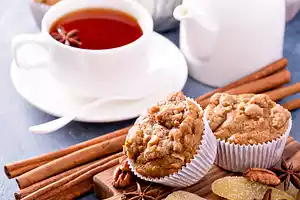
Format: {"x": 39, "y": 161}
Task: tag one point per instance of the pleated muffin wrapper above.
{"x": 239, "y": 158}
{"x": 194, "y": 171}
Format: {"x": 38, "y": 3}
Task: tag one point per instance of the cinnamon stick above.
{"x": 70, "y": 161}
{"x": 264, "y": 72}
{"x": 42, "y": 159}
{"x": 261, "y": 85}
{"x": 283, "y": 92}
{"x": 22, "y": 170}
{"x": 295, "y": 160}
{"x": 75, "y": 179}
{"x": 28, "y": 190}
{"x": 73, "y": 192}
{"x": 70, "y": 194}
{"x": 292, "y": 105}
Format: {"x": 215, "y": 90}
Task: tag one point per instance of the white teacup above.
{"x": 121, "y": 71}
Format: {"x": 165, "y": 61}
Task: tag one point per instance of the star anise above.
{"x": 140, "y": 194}
{"x": 288, "y": 173}
{"x": 68, "y": 38}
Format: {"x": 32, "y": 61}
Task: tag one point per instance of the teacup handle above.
{"x": 20, "y": 40}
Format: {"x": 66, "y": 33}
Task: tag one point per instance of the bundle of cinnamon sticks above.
{"x": 269, "y": 80}
{"x": 68, "y": 173}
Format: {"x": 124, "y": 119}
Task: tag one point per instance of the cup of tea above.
{"x": 94, "y": 48}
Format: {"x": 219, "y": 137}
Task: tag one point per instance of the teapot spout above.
{"x": 182, "y": 13}
{"x": 200, "y": 30}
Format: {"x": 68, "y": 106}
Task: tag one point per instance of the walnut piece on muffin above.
{"x": 166, "y": 137}
{"x": 246, "y": 118}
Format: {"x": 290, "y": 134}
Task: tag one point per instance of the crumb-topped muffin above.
{"x": 247, "y": 118}
{"x": 166, "y": 137}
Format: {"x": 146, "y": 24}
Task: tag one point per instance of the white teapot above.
{"x": 224, "y": 40}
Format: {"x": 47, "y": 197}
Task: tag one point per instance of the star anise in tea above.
{"x": 139, "y": 194}
{"x": 288, "y": 173}
{"x": 69, "y": 38}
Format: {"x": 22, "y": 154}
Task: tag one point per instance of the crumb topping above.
{"x": 247, "y": 118}
{"x": 166, "y": 137}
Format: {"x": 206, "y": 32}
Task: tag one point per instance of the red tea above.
{"x": 96, "y": 28}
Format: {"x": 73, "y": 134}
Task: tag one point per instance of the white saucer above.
{"x": 41, "y": 90}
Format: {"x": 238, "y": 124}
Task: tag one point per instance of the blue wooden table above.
{"x": 16, "y": 115}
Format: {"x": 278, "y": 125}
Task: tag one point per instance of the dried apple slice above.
{"x": 183, "y": 195}
{"x": 239, "y": 188}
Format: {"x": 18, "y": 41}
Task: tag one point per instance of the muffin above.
{"x": 251, "y": 130}
{"x": 167, "y": 138}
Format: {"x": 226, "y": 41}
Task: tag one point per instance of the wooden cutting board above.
{"x": 105, "y": 190}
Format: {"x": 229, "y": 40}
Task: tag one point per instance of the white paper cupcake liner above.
{"x": 38, "y": 11}
{"x": 196, "y": 169}
{"x": 238, "y": 158}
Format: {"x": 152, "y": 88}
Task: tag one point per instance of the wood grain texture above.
{"x": 105, "y": 190}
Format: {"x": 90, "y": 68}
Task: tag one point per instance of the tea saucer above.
{"x": 41, "y": 90}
